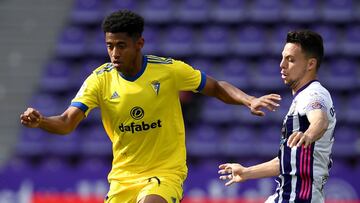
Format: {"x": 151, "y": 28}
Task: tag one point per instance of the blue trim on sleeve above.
{"x": 80, "y": 105}
{"x": 133, "y": 78}
{"x": 202, "y": 83}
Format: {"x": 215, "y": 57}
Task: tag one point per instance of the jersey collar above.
{"x": 133, "y": 78}
{"x": 303, "y": 87}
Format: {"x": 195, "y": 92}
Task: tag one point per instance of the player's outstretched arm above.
{"x": 61, "y": 124}
{"x": 318, "y": 124}
{"x": 237, "y": 173}
{"x": 230, "y": 94}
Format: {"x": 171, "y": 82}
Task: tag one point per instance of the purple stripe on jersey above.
{"x": 304, "y": 166}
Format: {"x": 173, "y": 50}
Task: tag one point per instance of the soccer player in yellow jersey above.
{"x": 138, "y": 96}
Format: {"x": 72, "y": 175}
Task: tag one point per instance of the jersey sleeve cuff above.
{"x": 80, "y": 105}
{"x": 202, "y": 82}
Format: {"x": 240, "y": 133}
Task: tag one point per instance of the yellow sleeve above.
{"x": 187, "y": 78}
{"x": 87, "y": 97}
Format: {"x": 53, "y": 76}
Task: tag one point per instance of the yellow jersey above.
{"x": 142, "y": 115}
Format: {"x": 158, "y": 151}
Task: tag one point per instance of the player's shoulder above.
{"x": 317, "y": 87}
{"x": 315, "y": 90}
{"x": 152, "y": 59}
{"x": 104, "y": 68}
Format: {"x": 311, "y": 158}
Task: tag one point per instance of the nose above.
{"x": 282, "y": 64}
{"x": 116, "y": 53}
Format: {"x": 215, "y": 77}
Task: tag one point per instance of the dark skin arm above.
{"x": 61, "y": 124}
{"x": 230, "y": 94}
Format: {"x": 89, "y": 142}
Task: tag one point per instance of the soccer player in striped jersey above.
{"x": 138, "y": 96}
{"x": 304, "y": 158}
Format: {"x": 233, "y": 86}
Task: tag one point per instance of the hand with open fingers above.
{"x": 232, "y": 172}
{"x": 270, "y": 101}
{"x": 299, "y": 138}
{"x": 31, "y": 118}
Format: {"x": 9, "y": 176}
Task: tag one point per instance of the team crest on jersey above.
{"x": 156, "y": 86}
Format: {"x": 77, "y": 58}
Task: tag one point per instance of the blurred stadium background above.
{"x": 48, "y": 47}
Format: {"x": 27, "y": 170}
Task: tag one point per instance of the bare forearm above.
{"x": 264, "y": 170}
{"x": 56, "y": 125}
{"x": 232, "y": 95}
{"x": 316, "y": 129}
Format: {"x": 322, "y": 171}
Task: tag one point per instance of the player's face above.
{"x": 123, "y": 50}
{"x": 293, "y": 65}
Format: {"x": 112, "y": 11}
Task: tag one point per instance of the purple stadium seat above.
{"x": 32, "y": 142}
{"x": 178, "y": 41}
{"x": 343, "y": 182}
{"x": 14, "y": 174}
{"x": 249, "y": 41}
{"x": 277, "y": 40}
{"x": 93, "y": 169}
{"x": 278, "y": 116}
{"x": 202, "y": 179}
{"x": 341, "y": 74}
{"x": 203, "y": 141}
{"x": 351, "y": 41}
{"x": 158, "y": 11}
{"x": 191, "y": 11}
{"x": 56, "y": 76}
{"x": 237, "y": 72}
{"x": 216, "y": 112}
{"x": 63, "y": 145}
{"x": 330, "y": 36}
{"x": 87, "y": 12}
{"x": 47, "y": 104}
{"x": 72, "y": 42}
{"x": 267, "y": 75}
{"x": 345, "y": 141}
{"x": 94, "y": 141}
{"x": 84, "y": 69}
{"x": 301, "y": 11}
{"x": 213, "y": 41}
{"x": 243, "y": 115}
{"x": 229, "y": 11}
{"x": 239, "y": 141}
{"x": 97, "y": 46}
{"x": 152, "y": 40}
{"x": 266, "y": 11}
{"x": 124, "y": 4}
{"x": 340, "y": 104}
{"x": 54, "y": 175}
{"x": 337, "y": 11}
{"x": 94, "y": 117}
{"x": 269, "y": 140}
{"x": 353, "y": 108}
{"x": 205, "y": 65}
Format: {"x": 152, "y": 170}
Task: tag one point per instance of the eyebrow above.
{"x": 120, "y": 42}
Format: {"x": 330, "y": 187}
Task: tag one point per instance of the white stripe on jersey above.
{"x": 293, "y": 177}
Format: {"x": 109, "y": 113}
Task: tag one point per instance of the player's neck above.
{"x": 302, "y": 83}
{"x": 135, "y": 68}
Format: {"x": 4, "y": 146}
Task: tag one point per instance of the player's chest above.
{"x": 120, "y": 94}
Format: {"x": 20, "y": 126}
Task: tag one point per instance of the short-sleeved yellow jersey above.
{"x": 142, "y": 115}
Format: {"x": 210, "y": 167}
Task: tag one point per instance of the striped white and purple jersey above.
{"x": 304, "y": 171}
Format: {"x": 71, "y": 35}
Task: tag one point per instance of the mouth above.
{"x": 283, "y": 75}
{"x": 116, "y": 63}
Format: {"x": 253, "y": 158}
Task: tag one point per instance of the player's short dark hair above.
{"x": 311, "y": 44}
{"x": 124, "y": 21}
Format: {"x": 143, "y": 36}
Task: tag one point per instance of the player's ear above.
{"x": 140, "y": 43}
{"x": 312, "y": 64}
